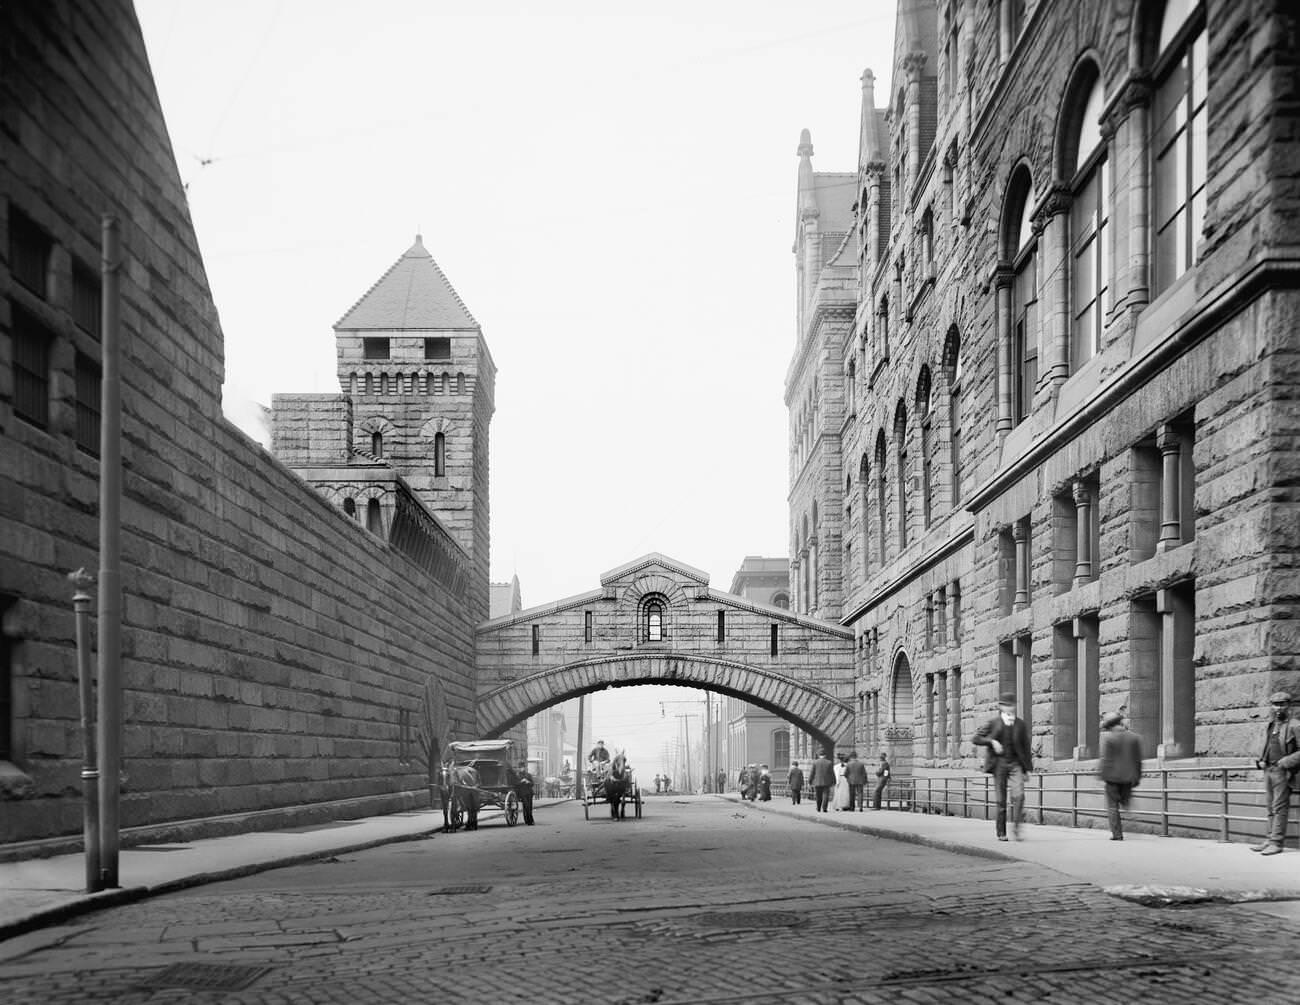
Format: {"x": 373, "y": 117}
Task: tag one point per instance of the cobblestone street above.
{"x": 702, "y": 900}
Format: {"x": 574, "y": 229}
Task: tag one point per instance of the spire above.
{"x": 807, "y": 193}
{"x": 870, "y": 149}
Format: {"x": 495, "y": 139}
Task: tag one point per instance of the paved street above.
{"x": 703, "y": 900}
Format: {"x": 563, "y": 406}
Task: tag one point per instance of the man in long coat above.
{"x": 822, "y": 778}
{"x": 855, "y": 773}
{"x": 795, "y": 781}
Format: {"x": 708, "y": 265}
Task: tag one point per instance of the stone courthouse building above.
{"x": 1043, "y": 405}
{"x": 286, "y": 637}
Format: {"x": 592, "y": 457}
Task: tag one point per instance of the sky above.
{"x": 610, "y": 187}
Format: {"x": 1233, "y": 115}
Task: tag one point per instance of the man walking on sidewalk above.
{"x": 795, "y": 781}
{"x": 822, "y": 778}
{"x": 882, "y": 780}
{"x": 1279, "y": 761}
{"x": 1008, "y": 737}
{"x": 1119, "y": 765}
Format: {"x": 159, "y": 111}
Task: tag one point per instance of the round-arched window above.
{"x": 654, "y": 611}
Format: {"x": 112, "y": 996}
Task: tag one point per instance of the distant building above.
{"x": 749, "y": 734}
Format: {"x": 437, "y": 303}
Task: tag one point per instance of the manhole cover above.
{"x": 453, "y": 890}
{"x": 750, "y": 919}
{"x": 205, "y": 976}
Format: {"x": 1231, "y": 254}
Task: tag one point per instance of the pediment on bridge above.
{"x": 651, "y": 565}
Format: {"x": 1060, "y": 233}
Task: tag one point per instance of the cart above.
{"x": 494, "y": 761}
{"x": 594, "y": 792}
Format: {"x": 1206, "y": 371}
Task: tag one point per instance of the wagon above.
{"x": 494, "y": 763}
{"x": 594, "y": 792}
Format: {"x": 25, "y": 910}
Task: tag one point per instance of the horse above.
{"x": 458, "y": 787}
{"x": 617, "y": 782}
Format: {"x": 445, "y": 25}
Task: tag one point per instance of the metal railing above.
{"x": 1220, "y": 803}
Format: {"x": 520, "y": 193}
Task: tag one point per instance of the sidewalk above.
{"x": 1145, "y": 868}
{"x": 40, "y": 892}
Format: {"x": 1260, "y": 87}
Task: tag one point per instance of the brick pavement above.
{"x": 702, "y": 901}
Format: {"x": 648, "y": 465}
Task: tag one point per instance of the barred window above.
{"x": 89, "y": 381}
{"x": 29, "y": 253}
{"x": 86, "y": 303}
{"x": 31, "y": 367}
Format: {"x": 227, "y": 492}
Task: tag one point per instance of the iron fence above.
{"x": 1222, "y": 803}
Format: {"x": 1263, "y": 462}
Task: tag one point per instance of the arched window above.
{"x": 781, "y": 750}
{"x": 653, "y": 611}
{"x": 882, "y": 511}
{"x": 925, "y": 415}
{"x": 374, "y": 520}
{"x": 1020, "y": 247}
{"x": 1178, "y": 138}
{"x": 350, "y": 507}
{"x": 369, "y": 384}
{"x": 460, "y": 383}
{"x": 900, "y": 449}
{"x": 952, "y": 371}
{"x": 1085, "y": 160}
{"x": 446, "y": 383}
{"x": 377, "y": 444}
{"x": 439, "y": 455}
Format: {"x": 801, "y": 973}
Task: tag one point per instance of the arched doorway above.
{"x": 899, "y": 731}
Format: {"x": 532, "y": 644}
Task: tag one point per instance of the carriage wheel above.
{"x": 512, "y": 809}
{"x": 637, "y": 799}
{"x": 457, "y": 814}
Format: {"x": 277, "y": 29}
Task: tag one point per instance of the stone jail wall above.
{"x": 274, "y": 654}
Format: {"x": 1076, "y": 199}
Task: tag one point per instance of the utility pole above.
{"x": 110, "y": 556}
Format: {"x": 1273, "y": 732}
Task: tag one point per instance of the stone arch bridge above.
{"x": 656, "y": 621}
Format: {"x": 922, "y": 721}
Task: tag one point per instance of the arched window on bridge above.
{"x": 653, "y": 610}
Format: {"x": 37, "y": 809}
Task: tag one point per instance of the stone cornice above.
{"x": 777, "y": 613}
{"x": 1210, "y": 311}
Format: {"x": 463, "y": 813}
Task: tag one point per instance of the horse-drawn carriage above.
{"x": 479, "y": 773}
{"x": 612, "y": 782}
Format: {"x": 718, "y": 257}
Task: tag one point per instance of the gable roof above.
{"x": 654, "y": 559}
{"x": 413, "y": 294}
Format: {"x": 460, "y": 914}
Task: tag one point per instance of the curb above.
{"x": 889, "y": 835}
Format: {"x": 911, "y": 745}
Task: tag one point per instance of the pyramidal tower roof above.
{"x": 413, "y": 294}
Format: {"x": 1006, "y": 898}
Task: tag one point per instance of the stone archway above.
{"x": 808, "y": 708}
{"x": 899, "y": 731}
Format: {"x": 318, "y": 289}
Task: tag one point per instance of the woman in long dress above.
{"x": 843, "y": 797}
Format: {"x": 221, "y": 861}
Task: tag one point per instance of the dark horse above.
{"x": 458, "y": 787}
{"x": 617, "y": 783}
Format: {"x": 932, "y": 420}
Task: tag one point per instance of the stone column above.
{"x": 913, "y": 64}
{"x": 1137, "y": 169}
{"x": 1054, "y": 297}
{"x": 953, "y": 681}
{"x": 1083, "y": 503}
{"x": 1020, "y": 533}
{"x": 940, "y": 744}
{"x": 1171, "y": 525}
{"x": 1086, "y": 688}
{"x": 1003, "y": 277}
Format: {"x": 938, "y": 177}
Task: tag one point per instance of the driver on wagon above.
{"x": 598, "y": 753}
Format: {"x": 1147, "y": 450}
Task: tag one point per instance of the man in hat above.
{"x": 795, "y": 781}
{"x": 599, "y": 754}
{"x": 1008, "y": 736}
{"x": 1279, "y": 761}
{"x": 524, "y": 786}
{"x": 855, "y": 773}
{"x": 821, "y": 776}
{"x": 1119, "y": 765}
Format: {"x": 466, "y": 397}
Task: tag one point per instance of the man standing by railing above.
{"x": 1008, "y": 735}
{"x": 1279, "y": 761}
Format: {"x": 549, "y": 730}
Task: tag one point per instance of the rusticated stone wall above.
{"x": 274, "y": 653}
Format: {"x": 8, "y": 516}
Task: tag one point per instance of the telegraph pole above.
{"x": 110, "y": 557}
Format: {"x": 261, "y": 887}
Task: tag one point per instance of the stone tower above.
{"x": 418, "y": 387}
